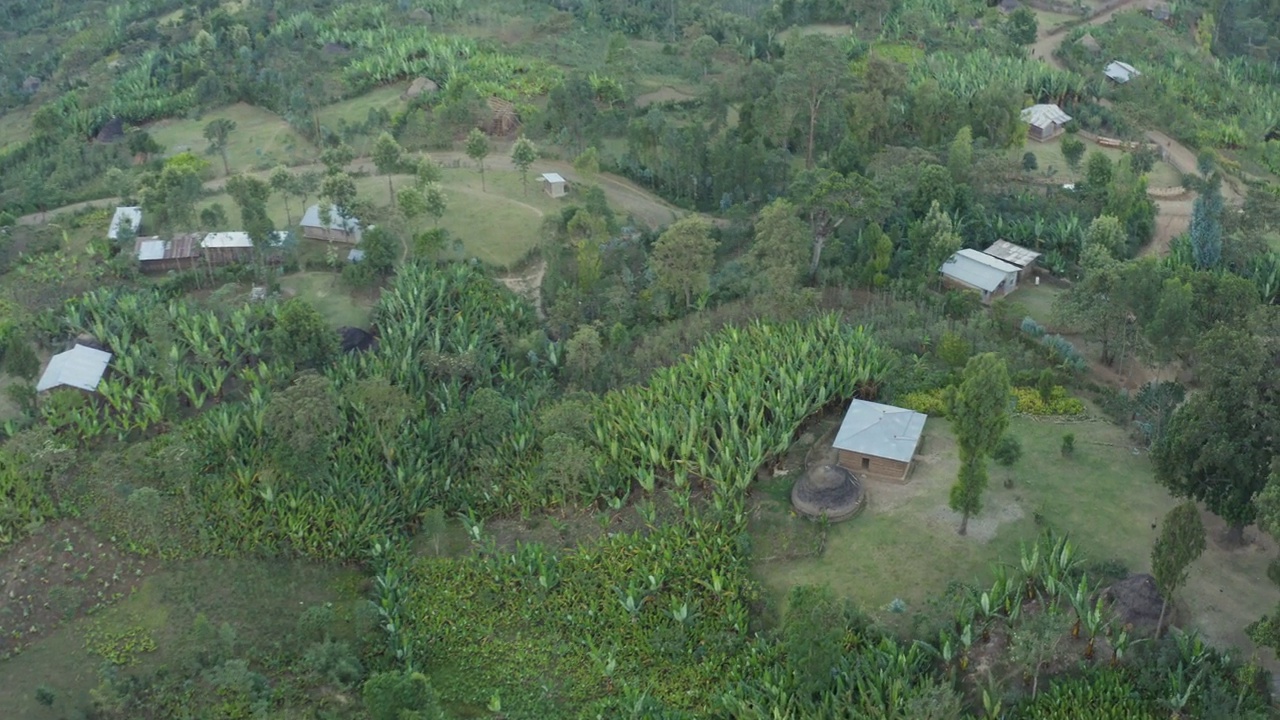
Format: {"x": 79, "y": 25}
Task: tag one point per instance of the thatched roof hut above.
{"x": 827, "y": 490}
{"x": 420, "y": 86}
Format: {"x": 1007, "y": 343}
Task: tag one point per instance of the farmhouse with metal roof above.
{"x": 879, "y": 440}
{"x": 973, "y": 270}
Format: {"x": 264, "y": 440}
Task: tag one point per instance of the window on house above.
{"x": 866, "y": 463}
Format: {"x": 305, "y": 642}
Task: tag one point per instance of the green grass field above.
{"x": 905, "y": 544}
{"x": 1049, "y": 155}
{"x": 15, "y": 125}
{"x": 326, "y": 292}
{"x": 499, "y": 226}
{"x": 260, "y": 601}
{"x": 260, "y": 141}
{"x": 1037, "y": 299}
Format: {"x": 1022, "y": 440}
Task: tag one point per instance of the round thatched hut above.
{"x": 828, "y": 490}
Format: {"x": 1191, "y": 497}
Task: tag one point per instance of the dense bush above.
{"x": 1029, "y": 402}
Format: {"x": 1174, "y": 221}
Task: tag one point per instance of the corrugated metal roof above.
{"x": 227, "y": 240}
{"x": 881, "y": 430}
{"x": 553, "y": 177}
{"x": 977, "y": 269}
{"x": 80, "y": 367}
{"x": 1012, "y": 254}
{"x": 355, "y": 255}
{"x": 1121, "y": 72}
{"x": 133, "y": 215}
{"x": 1042, "y": 116}
{"x": 151, "y": 249}
{"x": 311, "y": 218}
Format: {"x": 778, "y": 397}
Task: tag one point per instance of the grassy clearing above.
{"x": 356, "y": 110}
{"x": 259, "y": 600}
{"x": 1051, "y": 21}
{"x": 1049, "y": 156}
{"x": 816, "y": 29}
{"x": 327, "y": 293}
{"x": 499, "y": 226}
{"x": 1038, "y": 300}
{"x": 904, "y": 545}
{"x": 15, "y": 126}
{"x": 260, "y": 141}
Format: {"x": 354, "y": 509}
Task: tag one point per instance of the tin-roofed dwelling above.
{"x": 1022, "y": 258}
{"x": 1120, "y": 72}
{"x": 879, "y": 441}
{"x": 81, "y": 367}
{"x": 1046, "y": 121}
{"x": 554, "y": 185}
{"x": 181, "y": 252}
{"x": 972, "y": 270}
{"x": 346, "y": 231}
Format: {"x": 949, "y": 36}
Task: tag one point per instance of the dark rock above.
{"x": 1136, "y": 602}
{"x": 354, "y": 339}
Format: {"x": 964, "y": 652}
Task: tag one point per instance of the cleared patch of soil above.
{"x": 661, "y": 95}
{"x": 60, "y": 572}
{"x": 529, "y": 285}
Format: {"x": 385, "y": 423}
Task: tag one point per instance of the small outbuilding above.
{"x": 554, "y": 185}
{"x": 81, "y": 367}
{"x": 827, "y": 491}
{"x": 973, "y": 270}
{"x": 1047, "y": 121}
{"x": 1090, "y": 43}
{"x": 1022, "y": 258}
{"x": 420, "y": 86}
{"x": 338, "y": 229}
{"x": 879, "y": 441}
{"x": 181, "y": 252}
{"x": 1120, "y": 72}
{"x": 126, "y": 219}
{"x": 1160, "y": 11}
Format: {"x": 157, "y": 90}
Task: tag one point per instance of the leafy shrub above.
{"x": 1068, "y": 445}
{"x": 929, "y": 402}
{"x": 1029, "y": 402}
{"x": 1029, "y": 161}
{"x": 1032, "y": 328}
{"x": 1064, "y": 352}
{"x": 1008, "y": 451}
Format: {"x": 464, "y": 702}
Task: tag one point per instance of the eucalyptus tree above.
{"x": 815, "y": 77}
{"x": 478, "y": 150}
{"x": 979, "y": 411}
{"x": 218, "y": 133}
{"x": 387, "y": 157}
{"x": 523, "y": 154}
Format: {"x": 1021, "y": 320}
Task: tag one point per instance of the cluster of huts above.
{"x": 189, "y": 250}
{"x": 992, "y": 273}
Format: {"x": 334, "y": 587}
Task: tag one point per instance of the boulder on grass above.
{"x": 1136, "y": 602}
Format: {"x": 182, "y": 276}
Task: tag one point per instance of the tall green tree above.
{"x": 815, "y": 76}
{"x": 1220, "y": 443}
{"x": 779, "y": 252}
{"x": 387, "y": 157}
{"x": 827, "y": 199}
{"x": 523, "y": 155}
{"x": 682, "y": 258}
{"x": 478, "y": 150}
{"x": 302, "y": 336}
{"x": 979, "y": 411}
{"x": 1181, "y": 541}
{"x": 1072, "y": 151}
{"x": 1206, "y": 225}
{"x": 218, "y": 133}
{"x": 339, "y": 192}
{"x": 283, "y": 183}
{"x": 1021, "y": 26}
{"x": 960, "y": 155}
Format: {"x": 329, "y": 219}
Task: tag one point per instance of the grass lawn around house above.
{"x": 905, "y": 546}
{"x": 1051, "y": 164}
{"x": 260, "y": 141}
{"x": 341, "y": 306}
{"x": 500, "y": 225}
{"x": 1037, "y": 300}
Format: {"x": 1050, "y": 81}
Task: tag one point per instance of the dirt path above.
{"x": 1049, "y": 41}
{"x": 529, "y": 286}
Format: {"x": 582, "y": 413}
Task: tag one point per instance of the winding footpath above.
{"x": 1174, "y": 216}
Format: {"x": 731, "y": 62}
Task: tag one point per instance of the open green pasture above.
{"x": 1049, "y": 155}
{"x": 333, "y": 299}
{"x": 260, "y": 141}
{"x": 499, "y": 225}
{"x": 15, "y": 125}
{"x": 905, "y": 543}
{"x": 259, "y": 601}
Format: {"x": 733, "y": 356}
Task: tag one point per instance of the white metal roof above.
{"x": 1121, "y": 72}
{"x": 977, "y": 269}
{"x": 311, "y": 218}
{"x": 80, "y": 367}
{"x": 1044, "y": 115}
{"x": 1012, "y": 254}
{"x": 552, "y": 177}
{"x": 151, "y": 249}
{"x": 132, "y": 215}
{"x": 355, "y": 255}
{"x": 227, "y": 240}
{"x": 881, "y": 430}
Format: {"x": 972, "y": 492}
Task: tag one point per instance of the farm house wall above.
{"x": 167, "y": 264}
{"x": 954, "y": 283}
{"x": 877, "y": 467}
{"x": 318, "y": 233}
